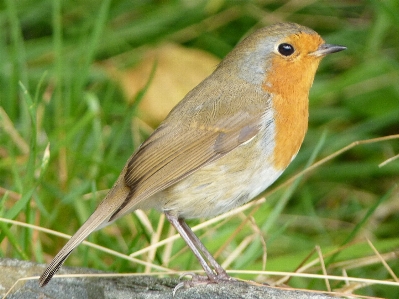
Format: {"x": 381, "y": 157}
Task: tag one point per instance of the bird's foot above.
{"x": 200, "y": 280}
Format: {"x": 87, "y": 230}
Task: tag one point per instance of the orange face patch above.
{"x": 289, "y": 80}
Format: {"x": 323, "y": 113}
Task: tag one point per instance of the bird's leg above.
{"x": 188, "y": 239}
{"x": 221, "y": 273}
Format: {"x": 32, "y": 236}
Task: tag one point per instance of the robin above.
{"x": 228, "y": 140}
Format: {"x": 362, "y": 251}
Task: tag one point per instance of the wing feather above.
{"x": 179, "y": 148}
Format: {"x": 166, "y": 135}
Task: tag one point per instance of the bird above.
{"x": 223, "y": 144}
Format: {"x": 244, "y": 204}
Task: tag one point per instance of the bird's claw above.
{"x": 198, "y": 280}
{"x": 193, "y": 276}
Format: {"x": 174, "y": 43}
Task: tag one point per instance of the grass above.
{"x": 66, "y": 130}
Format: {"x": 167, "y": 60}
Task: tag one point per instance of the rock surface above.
{"x": 137, "y": 287}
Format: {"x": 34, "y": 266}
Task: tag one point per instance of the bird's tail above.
{"x": 100, "y": 218}
{"x": 88, "y": 227}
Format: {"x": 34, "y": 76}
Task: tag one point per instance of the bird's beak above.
{"x": 325, "y": 49}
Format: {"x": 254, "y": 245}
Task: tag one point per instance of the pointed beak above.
{"x": 325, "y": 49}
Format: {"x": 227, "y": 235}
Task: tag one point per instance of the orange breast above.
{"x": 291, "y": 121}
{"x": 289, "y": 82}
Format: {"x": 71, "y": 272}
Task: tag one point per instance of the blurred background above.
{"x": 83, "y": 83}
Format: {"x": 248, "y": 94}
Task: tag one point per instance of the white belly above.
{"x": 229, "y": 182}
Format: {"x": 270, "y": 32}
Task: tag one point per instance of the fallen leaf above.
{"x": 178, "y": 70}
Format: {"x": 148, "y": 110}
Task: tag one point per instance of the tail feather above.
{"x": 100, "y": 218}
{"x": 52, "y": 269}
{"x": 94, "y": 221}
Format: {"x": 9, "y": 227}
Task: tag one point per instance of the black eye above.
{"x": 286, "y": 49}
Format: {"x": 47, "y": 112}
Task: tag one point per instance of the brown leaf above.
{"x": 178, "y": 70}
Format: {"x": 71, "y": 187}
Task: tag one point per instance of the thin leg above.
{"x": 177, "y": 225}
{"x": 221, "y": 273}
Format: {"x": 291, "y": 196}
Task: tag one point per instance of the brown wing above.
{"x": 181, "y": 146}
